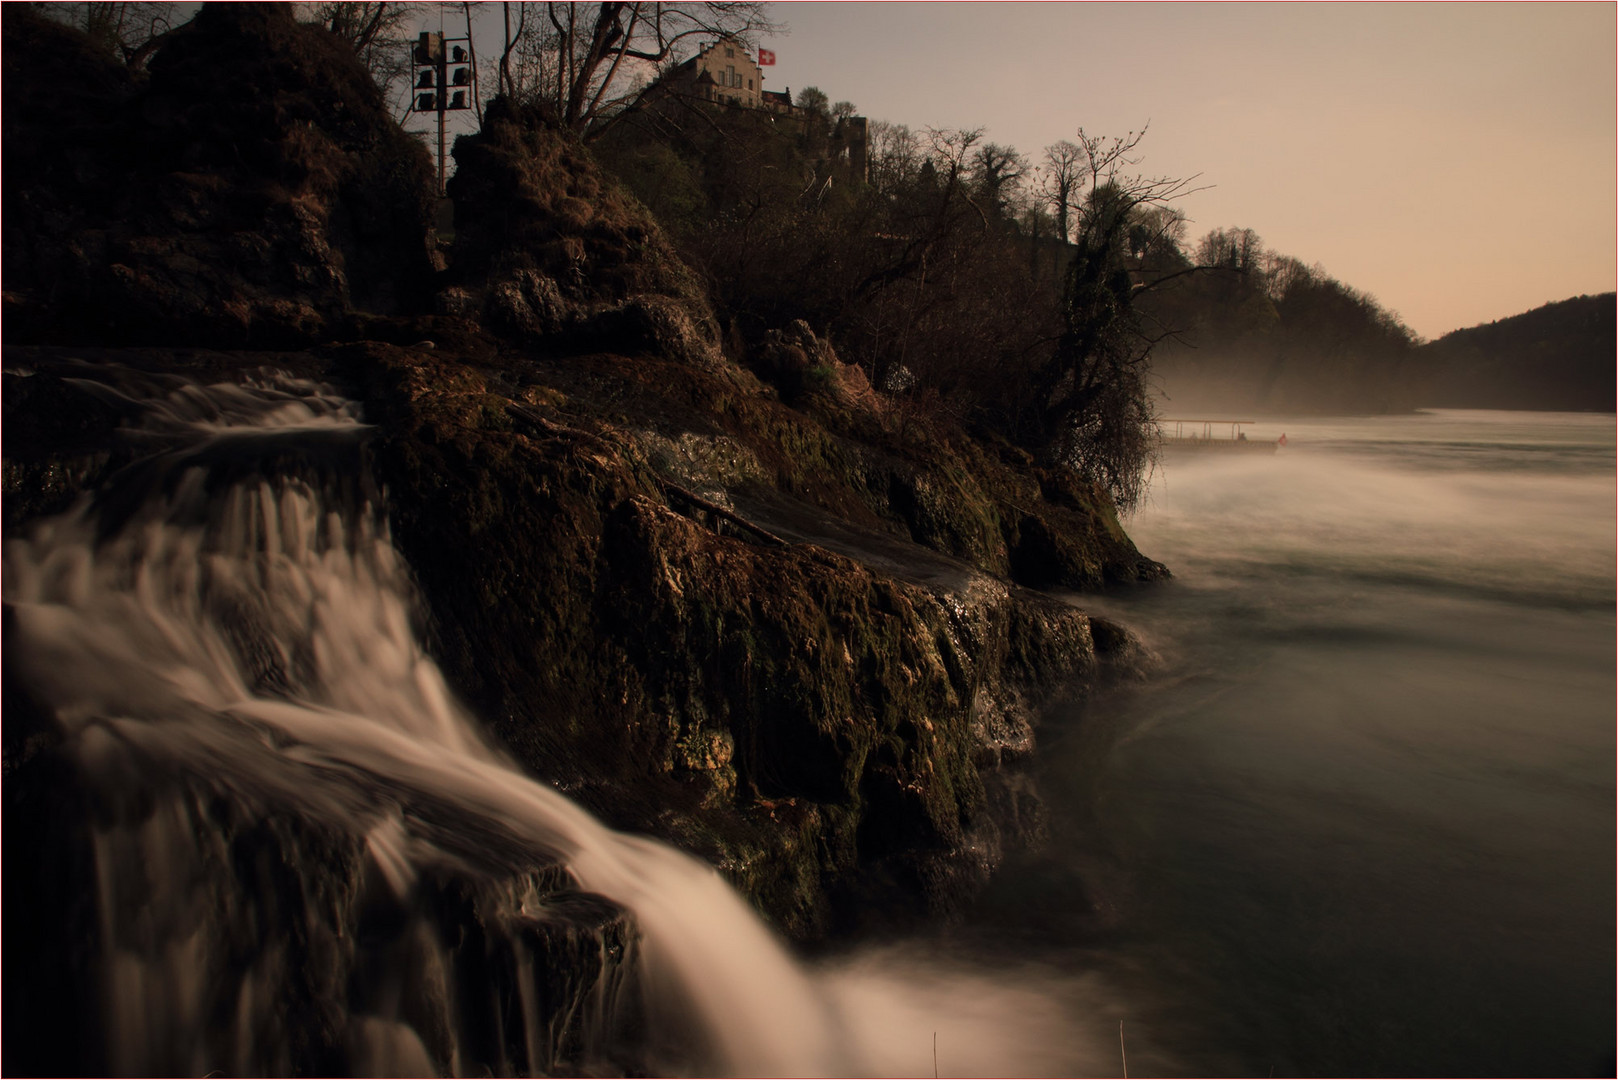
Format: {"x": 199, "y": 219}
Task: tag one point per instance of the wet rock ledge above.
{"x": 797, "y": 640}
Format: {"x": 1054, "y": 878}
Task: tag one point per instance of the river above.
{"x": 1360, "y": 821}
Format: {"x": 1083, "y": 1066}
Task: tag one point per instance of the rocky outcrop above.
{"x": 251, "y": 192}
{"x": 258, "y": 935}
{"x": 553, "y": 253}
{"x": 787, "y": 628}
{"x": 809, "y": 699}
{"x": 818, "y": 728}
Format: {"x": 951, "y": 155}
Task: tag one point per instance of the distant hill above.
{"x": 1558, "y": 357}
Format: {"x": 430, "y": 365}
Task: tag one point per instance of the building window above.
{"x": 750, "y": 84}
{"x": 730, "y": 76}
{"x": 729, "y": 51}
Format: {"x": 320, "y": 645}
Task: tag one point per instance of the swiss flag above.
{"x": 766, "y": 57}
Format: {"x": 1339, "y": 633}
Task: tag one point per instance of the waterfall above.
{"x": 247, "y": 635}
{"x": 276, "y": 843}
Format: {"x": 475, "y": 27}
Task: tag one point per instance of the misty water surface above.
{"x": 1360, "y": 819}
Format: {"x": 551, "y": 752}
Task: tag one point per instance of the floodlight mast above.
{"x": 434, "y": 55}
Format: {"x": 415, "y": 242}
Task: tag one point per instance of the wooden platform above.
{"x": 1211, "y": 436}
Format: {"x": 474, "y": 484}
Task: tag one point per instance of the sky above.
{"x": 1456, "y": 161}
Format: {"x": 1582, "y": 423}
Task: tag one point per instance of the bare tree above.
{"x": 358, "y": 24}
{"x": 530, "y": 57}
{"x": 1283, "y": 272}
{"x": 513, "y": 41}
{"x": 949, "y": 152}
{"x": 1093, "y": 403}
{"x": 815, "y": 100}
{"x": 1158, "y": 230}
{"x": 378, "y": 33}
{"x": 1237, "y": 250}
{"x": 1060, "y": 176}
{"x": 895, "y": 155}
{"x": 949, "y": 164}
{"x": 998, "y": 170}
{"x": 130, "y": 31}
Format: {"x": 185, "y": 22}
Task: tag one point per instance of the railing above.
{"x": 1211, "y": 435}
{"x": 1181, "y": 435}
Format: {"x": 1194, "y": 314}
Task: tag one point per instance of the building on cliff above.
{"x": 725, "y": 72}
{"x": 722, "y": 72}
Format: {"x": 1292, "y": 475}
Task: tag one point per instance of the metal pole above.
{"x": 443, "y": 100}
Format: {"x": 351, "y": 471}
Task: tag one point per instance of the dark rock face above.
{"x": 256, "y": 936}
{"x": 555, "y": 254}
{"x": 58, "y": 442}
{"x": 819, "y": 729}
{"x": 796, "y": 641}
{"x": 253, "y": 191}
{"x": 827, "y": 732}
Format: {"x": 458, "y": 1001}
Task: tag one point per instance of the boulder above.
{"x": 252, "y": 191}
{"x": 561, "y": 255}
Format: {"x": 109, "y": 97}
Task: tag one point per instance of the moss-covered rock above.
{"x": 779, "y": 622}
{"x": 818, "y": 728}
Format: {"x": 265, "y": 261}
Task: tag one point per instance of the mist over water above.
{"x": 1358, "y": 821}
{"x": 1361, "y": 820}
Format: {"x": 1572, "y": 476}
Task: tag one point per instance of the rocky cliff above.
{"x": 251, "y": 191}
{"x": 734, "y": 599}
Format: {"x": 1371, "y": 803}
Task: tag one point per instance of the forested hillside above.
{"x": 946, "y": 272}
{"x": 942, "y": 269}
{"x": 1555, "y": 357}
{"x": 1259, "y": 331}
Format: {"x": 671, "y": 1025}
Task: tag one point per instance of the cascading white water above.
{"x": 254, "y": 634}
{"x": 259, "y": 604}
